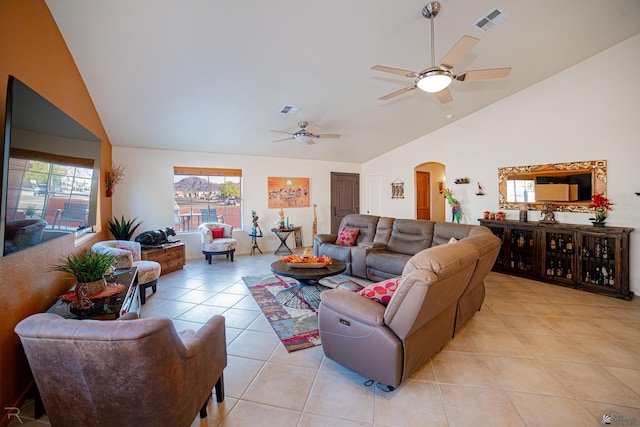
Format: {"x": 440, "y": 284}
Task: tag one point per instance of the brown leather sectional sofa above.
{"x": 442, "y": 287}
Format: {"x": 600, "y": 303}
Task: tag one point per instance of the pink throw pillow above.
{"x": 347, "y": 236}
{"x": 382, "y": 291}
{"x": 217, "y": 233}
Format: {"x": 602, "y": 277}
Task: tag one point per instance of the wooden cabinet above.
{"x": 584, "y": 257}
{"x": 171, "y": 257}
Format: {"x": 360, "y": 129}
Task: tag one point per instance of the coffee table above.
{"x": 305, "y": 294}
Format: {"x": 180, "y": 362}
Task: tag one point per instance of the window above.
{"x": 206, "y": 195}
{"x": 43, "y": 188}
{"x": 521, "y": 191}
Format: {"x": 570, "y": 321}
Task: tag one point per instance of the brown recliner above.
{"x": 388, "y": 344}
{"x": 124, "y": 372}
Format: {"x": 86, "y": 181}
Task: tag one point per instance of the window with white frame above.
{"x": 202, "y": 195}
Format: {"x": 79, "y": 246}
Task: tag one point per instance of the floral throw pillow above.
{"x": 382, "y": 291}
{"x": 347, "y": 236}
{"x": 217, "y": 233}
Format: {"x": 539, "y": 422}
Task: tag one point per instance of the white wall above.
{"x": 572, "y": 116}
{"x": 147, "y": 191}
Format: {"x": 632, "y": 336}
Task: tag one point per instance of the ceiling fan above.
{"x": 306, "y": 135}
{"x": 437, "y": 78}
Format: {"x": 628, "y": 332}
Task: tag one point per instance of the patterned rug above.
{"x": 297, "y": 328}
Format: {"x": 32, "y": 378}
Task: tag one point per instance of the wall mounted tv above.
{"x": 50, "y": 172}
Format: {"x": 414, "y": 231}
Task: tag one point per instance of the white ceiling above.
{"x": 212, "y": 75}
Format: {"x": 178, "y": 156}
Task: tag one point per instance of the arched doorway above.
{"x": 430, "y": 203}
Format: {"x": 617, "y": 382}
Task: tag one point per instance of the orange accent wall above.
{"x": 33, "y": 50}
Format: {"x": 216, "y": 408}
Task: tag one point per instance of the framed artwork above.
{"x": 288, "y": 192}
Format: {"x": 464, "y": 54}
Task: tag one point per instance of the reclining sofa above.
{"x": 440, "y": 289}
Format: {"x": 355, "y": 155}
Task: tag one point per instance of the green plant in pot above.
{"x": 30, "y": 211}
{"x": 123, "y": 229}
{"x": 87, "y": 267}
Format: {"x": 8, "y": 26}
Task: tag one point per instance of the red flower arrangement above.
{"x": 601, "y": 205}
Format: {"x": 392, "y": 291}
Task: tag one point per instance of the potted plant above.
{"x": 123, "y": 229}
{"x": 87, "y": 267}
{"x": 30, "y": 211}
{"x": 600, "y": 206}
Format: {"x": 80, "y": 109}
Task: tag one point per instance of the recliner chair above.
{"x": 136, "y": 372}
{"x": 388, "y": 344}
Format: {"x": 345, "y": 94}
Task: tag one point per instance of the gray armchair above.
{"x": 22, "y": 233}
{"x": 136, "y": 372}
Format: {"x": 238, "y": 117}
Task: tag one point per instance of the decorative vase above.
{"x": 94, "y": 288}
{"x": 109, "y": 191}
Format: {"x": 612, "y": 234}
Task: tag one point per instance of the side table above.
{"x": 254, "y": 243}
{"x": 171, "y": 256}
{"x": 283, "y": 234}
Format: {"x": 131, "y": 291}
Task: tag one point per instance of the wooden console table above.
{"x": 171, "y": 257}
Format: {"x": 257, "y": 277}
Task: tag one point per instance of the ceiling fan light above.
{"x": 302, "y": 137}
{"x": 434, "y": 80}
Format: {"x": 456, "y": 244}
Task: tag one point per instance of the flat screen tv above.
{"x": 50, "y": 172}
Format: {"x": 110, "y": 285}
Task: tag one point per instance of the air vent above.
{"x": 290, "y": 110}
{"x": 490, "y": 20}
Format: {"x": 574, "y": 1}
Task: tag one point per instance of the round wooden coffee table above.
{"x": 306, "y": 294}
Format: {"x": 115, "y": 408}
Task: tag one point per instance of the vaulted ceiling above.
{"x": 213, "y": 76}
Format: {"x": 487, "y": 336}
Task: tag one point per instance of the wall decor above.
{"x": 288, "y": 192}
{"x": 397, "y": 189}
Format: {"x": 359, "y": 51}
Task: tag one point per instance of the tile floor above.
{"x": 536, "y": 354}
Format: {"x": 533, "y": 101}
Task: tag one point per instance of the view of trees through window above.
{"x": 206, "y": 195}
{"x": 39, "y": 189}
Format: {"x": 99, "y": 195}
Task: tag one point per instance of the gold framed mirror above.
{"x": 566, "y": 187}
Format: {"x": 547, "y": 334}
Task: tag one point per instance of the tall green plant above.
{"x": 86, "y": 266}
{"x": 123, "y": 229}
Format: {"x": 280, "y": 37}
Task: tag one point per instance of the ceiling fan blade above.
{"x": 458, "y": 51}
{"x": 444, "y": 95}
{"x": 311, "y": 142}
{"x": 283, "y": 139}
{"x": 327, "y": 135}
{"x": 491, "y": 73}
{"x": 313, "y": 129}
{"x": 281, "y": 131}
{"x": 396, "y": 93}
{"x": 399, "y": 71}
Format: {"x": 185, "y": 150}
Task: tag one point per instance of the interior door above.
{"x": 423, "y": 196}
{"x": 345, "y": 197}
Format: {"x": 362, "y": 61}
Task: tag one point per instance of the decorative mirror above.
{"x": 566, "y": 187}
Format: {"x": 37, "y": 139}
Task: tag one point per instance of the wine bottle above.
{"x": 605, "y": 248}
{"x": 570, "y": 244}
{"x": 552, "y": 243}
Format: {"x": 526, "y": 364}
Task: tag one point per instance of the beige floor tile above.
{"x": 239, "y": 374}
{"x": 573, "y": 327}
{"x": 629, "y": 377}
{"x": 464, "y": 369}
{"x": 195, "y": 296}
{"x": 414, "y": 403}
{"x": 254, "y": 345}
{"x": 473, "y": 406}
{"x": 309, "y": 358}
{"x": 240, "y": 318}
{"x": 527, "y": 324}
{"x": 343, "y": 396}
{"x": 313, "y": 420}
{"x": 247, "y": 303}
{"x": 216, "y": 412}
{"x": 611, "y": 352}
{"x": 425, "y": 373}
{"x": 555, "y": 347}
{"x": 499, "y": 344}
{"x": 463, "y": 341}
{"x": 224, "y": 299}
{"x": 201, "y": 313}
{"x": 247, "y": 414}
{"x": 487, "y": 321}
{"x": 505, "y": 305}
{"x": 550, "y": 411}
{"x": 593, "y": 383}
{"x": 284, "y": 386}
{"x": 260, "y": 324}
{"x": 525, "y": 375}
{"x": 171, "y": 310}
{"x": 547, "y": 309}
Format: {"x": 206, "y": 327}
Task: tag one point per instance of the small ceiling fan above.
{"x": 437, "y": 78}
{"x": 306, "y": 135}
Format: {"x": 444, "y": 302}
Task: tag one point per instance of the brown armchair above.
{"x": 126, "y": 372}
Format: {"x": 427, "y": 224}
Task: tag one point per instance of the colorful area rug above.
{"x": 297, "y": 328}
